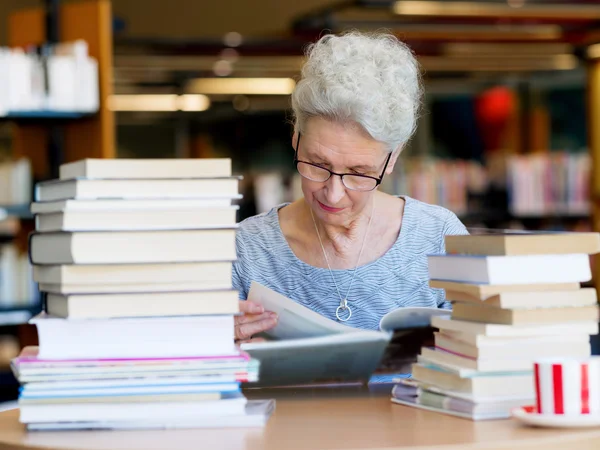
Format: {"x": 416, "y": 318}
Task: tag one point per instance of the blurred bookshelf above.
{"x": 19, "y": 211}
{"x": 42, "y": 115}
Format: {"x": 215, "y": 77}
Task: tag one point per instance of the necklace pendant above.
{"x": 339, "y": 312}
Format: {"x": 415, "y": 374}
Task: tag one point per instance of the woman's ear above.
{"x": 390, "y": 167}
{"x": 295, "y": 141}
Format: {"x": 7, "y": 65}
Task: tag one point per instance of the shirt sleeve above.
{"x": 453, "y": 226}
{"x": 240, "y": 275}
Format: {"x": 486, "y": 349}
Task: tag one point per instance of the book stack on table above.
{"x": 516, "y": 298}
{"x": 135, "y": 259}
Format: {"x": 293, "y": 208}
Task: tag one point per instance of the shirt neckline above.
{"x": 407, "y": 207}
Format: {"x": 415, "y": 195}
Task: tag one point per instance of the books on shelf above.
{"x": 16, "y": 182}
{"x": 447, "y": 183}
{"x": 481, "y": 364}
{"x": 138, "y": 330}
{"x": 58, "y": 77}
{"x": 17, "y": 288}
{"x": 549, "y": 184}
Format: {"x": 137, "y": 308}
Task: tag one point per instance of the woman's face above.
{"x": 341, "y": 148}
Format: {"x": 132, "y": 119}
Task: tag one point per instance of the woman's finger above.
{"x": 247, "y": 330}
{"x": 247, "y": 318}
{"x": 31, "y": 350}
{"x": 248, "y": 307}
{"x": 252, "y": 341}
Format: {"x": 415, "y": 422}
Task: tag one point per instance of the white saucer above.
{"x": 527, "y": 415}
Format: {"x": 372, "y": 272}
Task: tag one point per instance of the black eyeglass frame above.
{"x": 341, "y": 175}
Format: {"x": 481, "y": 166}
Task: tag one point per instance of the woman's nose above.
{"x": 335, "y": 190}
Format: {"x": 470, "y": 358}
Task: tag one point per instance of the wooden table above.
{"x": 305, "y": 418}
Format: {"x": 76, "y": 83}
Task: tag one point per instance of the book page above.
{"x": 295, "y": 321}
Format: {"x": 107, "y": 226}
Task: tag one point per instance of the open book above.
{"x": 308, "y": 347}
{"x": 296, "y": 321}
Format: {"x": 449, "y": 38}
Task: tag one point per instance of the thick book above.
{"x": 529, "y": 299}
{"x": 256, "y": 414}
{"x": 137, "y": 220}
{"x": 431, "y": 400}
{"x": 496, "y": 330}
{"x": 211, "y": 275}
{"x": 458, "y": 362}
{"x": 146, "y": 168}
{"x": 528, "y": 269}
{"x": 159, "y": 337}
{"x": 566, "y": 333}
{"x": 60, "y": 392}
{"x": 89, "y": 189}
{"x": 543, "y": 347}
{"x": 477, "y": 384}
{"x": 482, "y": 313}
{"x": 149, "y": 304}
{"x": 484, "y": 291}
{"x": 132, "y": 205}
{"x": 524, "y": 243}
{"x": 146, "y": 411}
{"x": 132, "y": 247}
{"x": 237, "y": 367}
{"x": 83, "y": 289}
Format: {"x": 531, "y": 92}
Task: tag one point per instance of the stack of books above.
{"x": 135, "y": 260}
{"x": 516, "y": 298}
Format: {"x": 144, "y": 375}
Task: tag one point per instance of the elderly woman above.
{"x": 347, "y": 250}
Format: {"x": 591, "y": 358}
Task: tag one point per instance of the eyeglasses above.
{"x": 352, "y": 181}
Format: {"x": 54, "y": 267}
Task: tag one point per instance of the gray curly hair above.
{"x": 371, "y": 79}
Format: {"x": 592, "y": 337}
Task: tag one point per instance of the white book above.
{"x": 496, "y": 330}
{"x": 256, "y": 414}
{"x": 149, "y": 304}
{"x": 211, "y": 275}
{"x": 173, "y": 219}
{"x": 568, "y": 346}
{"x": 522, "y": 363}
{"x": 151, "y": 412}
{"x": 156, "y": 337}
{"x": 74, "y": 289}
{"x": 132, "y": 205}
{"x": 527, "y": 269}
{"x": 135, "y": 189}
{"x": 146, "y": 168}
{"x": 131, "y": 247}
{"x": 475, "y": 384}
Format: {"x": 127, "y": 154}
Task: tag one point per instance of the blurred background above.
{"x": 506, "y": 138}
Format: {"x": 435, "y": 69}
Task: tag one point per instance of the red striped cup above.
{"x": 569, "y": 387}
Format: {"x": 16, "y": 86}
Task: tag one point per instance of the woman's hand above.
{"x": 253, "y": 321}
{"x": 31, "y": 350}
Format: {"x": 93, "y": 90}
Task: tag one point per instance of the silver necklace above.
{"x": 343, "y": 300}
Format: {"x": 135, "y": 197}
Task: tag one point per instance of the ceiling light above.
{"x": 242, "y": 86}
{"x": 593, "y": 51}
{"x": 158, "y": 102}
{"x": 496, "y": 10}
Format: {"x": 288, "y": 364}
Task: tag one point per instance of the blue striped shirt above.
{"x": 397, "y": 279}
